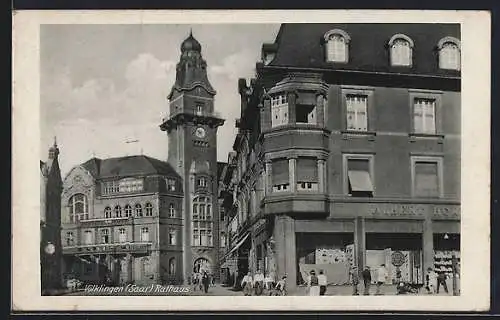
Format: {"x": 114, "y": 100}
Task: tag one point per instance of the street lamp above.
{"x": 453, "y": 268}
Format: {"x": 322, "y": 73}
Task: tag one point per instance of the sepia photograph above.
{"x": 252, "y": 159}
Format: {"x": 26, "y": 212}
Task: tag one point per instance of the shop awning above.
{"x": 239, "y": 244}
{"x": 360, "y": 181}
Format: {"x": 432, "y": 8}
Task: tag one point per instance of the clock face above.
{"x": 200, "y": 132}
{"x": 50, "y": 248}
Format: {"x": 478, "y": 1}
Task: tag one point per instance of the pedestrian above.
{"x": 322, "y": 281}
{"x": 195, "y": 281}
{"x": 247, "y": 284}
{"x": 441, "y": 281}
{"x": 213, "y": 280}
{"x": 354, "y": 280}
{"x": 281, "y": 286}
{"x": 205, "y": 281}
{"x": 313, "y": 284}
{"x": 268, "y": 282}
{"x": 258, "y": 281}
{"x": 381, "y": 278}
{"x": 430, "y": 281}
{"x": 367, "y": 280}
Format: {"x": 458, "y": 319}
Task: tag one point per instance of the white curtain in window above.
{"x": 424, "y": 120}
{"x": 144, "y": 234}
{"x": 400, "y": 53}
{"x": 356, "y": 108}
{"x": 122, "y": 237}
{"x": 336, "y": 48}
{"x": 449, "y": 56}
{"x": 88, "y": 237}
{"x": 426, "y": 179}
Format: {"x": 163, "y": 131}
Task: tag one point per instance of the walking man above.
{"x": 322, "y": 283}
{"x": 354, "y": 280}
{"x": 313, "y": 284}
{"x": 258, "y": 281}
{"x": 247, "y": 284}
{"x": 430, "y": 281}
{"x": 205, "y": 280}
{"x": 367, "y": 280}
{"x": 441, "y": 281}
{"x": 381, "y": 278}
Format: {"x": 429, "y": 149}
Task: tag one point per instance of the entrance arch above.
{"x": 202, "y": 264}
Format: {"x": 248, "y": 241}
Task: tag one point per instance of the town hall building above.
{"x": 142, "y": 220}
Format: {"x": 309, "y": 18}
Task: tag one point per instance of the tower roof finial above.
{"x": 55, "y": 141}
{"x": 191, "y": 32}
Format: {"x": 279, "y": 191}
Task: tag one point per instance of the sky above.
{"x": 104, "y": 85}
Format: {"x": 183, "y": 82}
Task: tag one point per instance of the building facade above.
{"x": 192, "y": 139}
{"x": 141, "y": 220}
{"x": 122, "y": 221}
{"x": 348, "y": 153}
{"x": 50, "y": 221}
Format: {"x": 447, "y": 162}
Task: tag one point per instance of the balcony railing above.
{"x": 109, "y": 248}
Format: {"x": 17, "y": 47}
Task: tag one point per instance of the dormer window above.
{"x": 337, "y": 46}
{"x": 401, "y": 47}
{"x": 449, "y": 53}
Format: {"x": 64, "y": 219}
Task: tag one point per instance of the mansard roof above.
{"x": 128, "y": 166}
{"x": 302, "y": 46}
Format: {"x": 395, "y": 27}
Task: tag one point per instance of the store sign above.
{"x": 398, "y": 258}
{"x": 416, "y": 211}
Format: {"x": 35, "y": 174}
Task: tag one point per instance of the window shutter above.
{"x": 307, "y": 170}
{"x": 280, "y": 172}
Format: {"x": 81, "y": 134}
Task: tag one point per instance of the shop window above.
{"x": 449, "y": 53}
{"x": 356, "y": 112}
{"x": 401, "y": 47}
{"x": 337, "y": 46}
{"x": 280, "y": 175}
{"x": 424, "y": 115}
{"x": 359, "y": 176}
{"x": 279, "y": 110}
{"x": 426, "y": 177}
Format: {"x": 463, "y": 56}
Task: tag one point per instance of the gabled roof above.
{"x": 302, "y": 45}
{"x": 128, "y": 166}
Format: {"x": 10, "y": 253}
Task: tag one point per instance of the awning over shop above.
{"x": 239, "y": 243}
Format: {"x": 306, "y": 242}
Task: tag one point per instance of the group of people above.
{"x": 317, "y": 284}
{"x": 202, "y": 281}
{"x": 434, "y": 280}
{"x": 259, "y": 284}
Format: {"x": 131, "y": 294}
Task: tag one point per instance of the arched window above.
{"x": 78, "y": 208}
{"x": 202, "y": 223}
{"x": 118, "y": 211}
{"x": 171, "y": 266}
{"x": 401, "y": 47}
{"x": 449, "y": 53}
{"x": 149, "y": 209}
{"x": 107, "y": 212}
{"x": 138, "y": 210}
{"x": 128, "y": 211}
{"x": 337, "y": 46}
{"x": 171, "y": 211}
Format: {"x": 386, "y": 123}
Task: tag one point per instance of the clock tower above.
{"x": 192, "y": 150}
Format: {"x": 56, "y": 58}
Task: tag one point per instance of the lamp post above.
{"x": 453, "y": 268}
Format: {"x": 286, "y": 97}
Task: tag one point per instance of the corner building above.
{"x": 348, "y": 153}
{"x": 141, "y": 220}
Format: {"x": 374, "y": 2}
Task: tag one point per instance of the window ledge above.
{"x": 422, "y": 136}
{"x": 350, "y": 133}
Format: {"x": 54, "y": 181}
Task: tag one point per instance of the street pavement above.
{"x": 219, "y": 290}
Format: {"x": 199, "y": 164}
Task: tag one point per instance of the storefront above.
{"x": 407, "y": 238}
